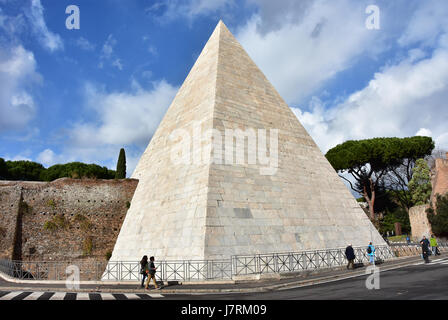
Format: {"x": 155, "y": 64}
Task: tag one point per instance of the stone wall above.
{"x": 63, "y": 220}
{"x": 440, "y": 180}
{"x": 419, "y": 222}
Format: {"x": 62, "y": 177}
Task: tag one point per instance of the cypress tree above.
{"x": 121, "y": 165}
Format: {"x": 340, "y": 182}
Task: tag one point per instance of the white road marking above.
{"x": 107, "y": 296}
{"x": 11, "y": 295}
{"x": 155, "y": 295}
{"x": 34, "y": 296}
{"x": 132, "y": 296}
{"x": 82, "y": 296}
{"x": 58, "y": 296}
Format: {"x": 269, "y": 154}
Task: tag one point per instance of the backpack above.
{"x": 369, "y": 249}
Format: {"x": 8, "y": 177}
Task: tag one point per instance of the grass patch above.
{"x": 87, "y": 246}
{"x": 56, "y": 223}
{"x": 83, "y": 222}
{"x": 397, "y": 238}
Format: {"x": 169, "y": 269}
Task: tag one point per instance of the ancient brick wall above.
{"x": 440, "y": 181}
{"x": 419, "y": 222}
{"x": 63, "y": 220}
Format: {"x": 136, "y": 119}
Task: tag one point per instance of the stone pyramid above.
{"x": 193, "y": 206}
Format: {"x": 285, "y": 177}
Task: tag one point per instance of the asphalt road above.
{"x": 421, "y": 281}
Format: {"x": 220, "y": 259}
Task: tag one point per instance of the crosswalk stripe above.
{"x": 10, "y": 295}
{"x": 82, "y": 296}
{"x": 26, "y": 295}
{"x": 34, "y": 296}
{"x": 107, "y": 296}
{"x": 58, "y": 296}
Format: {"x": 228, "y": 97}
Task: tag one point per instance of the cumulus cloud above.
{"x": 399, "y": 101}
{"x": 123, "y": 119}
{"x": 300, "y": 52}
{"x": 49, "y": 40}
{"x": 17, "y": 74}
{"x": 47, "y": 157}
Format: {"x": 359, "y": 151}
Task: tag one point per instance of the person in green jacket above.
{"x": 433, "y": 243}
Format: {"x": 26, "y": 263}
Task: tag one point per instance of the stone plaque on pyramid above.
{"x": 202, "y": 203}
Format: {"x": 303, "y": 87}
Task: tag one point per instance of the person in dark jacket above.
{"x": 151, "y": 270}
{"x": 425, "y": 249}
{"x": 143, "y": 267}
{"x": 350, "y": 255}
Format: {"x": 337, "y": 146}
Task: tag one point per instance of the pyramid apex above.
{"x": 221, "y": 25}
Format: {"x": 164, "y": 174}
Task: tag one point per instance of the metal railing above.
{"x": 206, "y": 270}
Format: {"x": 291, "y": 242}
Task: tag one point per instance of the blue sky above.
{"x": 81, "y": 95}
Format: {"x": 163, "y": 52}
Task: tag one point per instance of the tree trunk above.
{"x": 370, "y": 200}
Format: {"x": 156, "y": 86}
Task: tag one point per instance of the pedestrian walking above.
{"x": 425, "y": 249}
{"x": 408, "y": 240}
{"x": 143, "y": 267}
{"x": 151, "y": 271}
{"x": 371, "y": 253}
{"x": 350, "y": 255}
{"x": 434, "y": 245}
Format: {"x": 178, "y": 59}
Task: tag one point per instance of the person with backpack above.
{"x": 151, "y": 271}
{"x": 425, "y": 249}
{"x": 350, "y": 255}
{"x": 143, "y": 267}
{"x": 371, "y": 253}
{"x": 433, "y": 243}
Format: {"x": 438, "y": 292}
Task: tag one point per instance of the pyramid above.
{"x": 192, "y": 204}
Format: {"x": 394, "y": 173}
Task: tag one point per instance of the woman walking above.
{"x": 143, "y": 268}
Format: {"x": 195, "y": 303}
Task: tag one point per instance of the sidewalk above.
{"x": 276, "y": 281}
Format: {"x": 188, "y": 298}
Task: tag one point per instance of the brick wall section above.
{"x": 440, "y": 182}
{"x": 102, "y": 205}
{"x": 9, "y": 208}
{"x": 419, "y": 222}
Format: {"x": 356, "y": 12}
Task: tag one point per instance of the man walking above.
{"x": 425, "y": 249}
{"x": 350, "y": 255}
{"x": 371, "y": 253}
{"x": 433, "y": 243}
{"x": 151, "y": 271}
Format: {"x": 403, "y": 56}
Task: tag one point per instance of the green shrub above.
{"x": 128, "y": 204}
{"x": 51, "y": 203}
{"x": 108, "y": 255}
{"x": 50, "y": 226}
{"x": 83, "y": 221}
{"x": 57, "y": 222}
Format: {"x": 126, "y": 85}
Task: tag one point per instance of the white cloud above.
{"x": 399, "y": 101}
{"x": 300, "y": 55}
{"x": 108, "y": 54}
{"x": 47, "y": 157}
{"x": 85, "y": 44}
{"x": 48, "y": 39}
{"x": 169, "y": 10}
{"x": 124, "y": 119}
{"x": 17, "y": 74}
{"x": 424, "y": 132}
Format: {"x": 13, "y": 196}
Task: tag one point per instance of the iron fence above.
{"x": 204, "y": 270}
